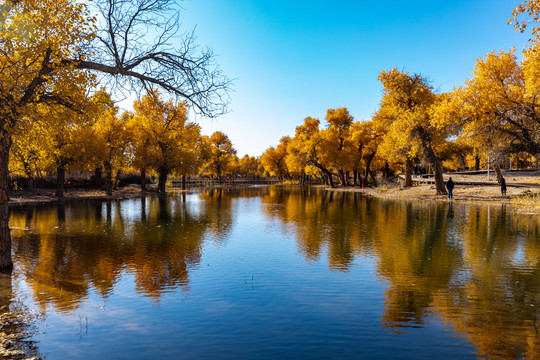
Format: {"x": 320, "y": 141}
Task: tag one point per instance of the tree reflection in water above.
{"x": 474, "y": 267}
{"x": 63, "y": 259}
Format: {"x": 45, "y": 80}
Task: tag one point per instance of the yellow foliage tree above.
{"x": 65, "y": 139}
{"x": 338, "y": 151}
{"x": 529, "y": 9}
{"x": 249, "y": 167}
{"x": 27, "y": 154}
{"x": 219, "y": 154}
{"x": 408, "y": 101}
{"x": 274, "y": 159}
{"x": 309, "y": 148}
{"x": 497, "y": 108}
{"x": 35, "y": 36}
{"x": 296, "y": 158}
{"x": 365, "y": 140}
{"x": 164, "y": 139}
{"x": 110, "y": 139}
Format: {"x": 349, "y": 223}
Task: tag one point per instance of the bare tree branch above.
{"x": 141, "y": 40}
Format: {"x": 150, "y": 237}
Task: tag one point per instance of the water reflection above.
{"x": 66, "y": 250}
{"x": 476, "y": 268}
{"x": 219, "y": 204}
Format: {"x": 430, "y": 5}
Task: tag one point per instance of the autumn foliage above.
{"x": 491, "y": 120}
{"x": 54, "y": 120}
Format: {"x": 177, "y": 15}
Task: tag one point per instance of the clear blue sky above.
{"x": 297, "y": 58}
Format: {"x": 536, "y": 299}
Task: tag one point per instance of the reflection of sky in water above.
{"x": 236, "y": 275}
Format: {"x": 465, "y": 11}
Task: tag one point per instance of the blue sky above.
{"x": 293, "y": 59}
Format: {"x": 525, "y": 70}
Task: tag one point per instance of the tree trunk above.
{"x": 117, "y": 179}
{"x": 330, "y": 180}
{"x": 462, "y": 162}
{"x": 108, "y": 177}
{"x": 325, "y": 171}
{"x": 143, "y": 179}
{"x": 6, "y": 263}
{"x": 342, "y": 177}
{"x": 372, "y": 176}
{"x": 60, "y": 180}
{"x": 497, "y": 169}
{"x": 408, "y": 173}
{"x": 183, "y": 182}
{"x": 162, "y": 179}
{"x": 218, "y": 172}
{"x": 439, "y": 181}
{"x": 437, "y": 171}
{"x": 476, "y": 161}
{"x": 29, "y": 176}
{"x": 98, "y": 180}
{"x": 367, "y": 171}
{"x": 31, "y": 184}
{"x": 434, "y": 162}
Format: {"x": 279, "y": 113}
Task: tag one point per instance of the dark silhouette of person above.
{"x": 502, "y": 182}
{"x": 450, "y": 188}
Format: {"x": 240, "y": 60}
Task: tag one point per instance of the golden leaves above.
{"x": 161, "y": 135}
{"x": 531, "y": 11}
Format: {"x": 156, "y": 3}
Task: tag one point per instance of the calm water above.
{"x": 274, "y": 273}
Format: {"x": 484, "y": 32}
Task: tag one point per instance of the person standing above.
{"x": 450, "y": 188}
{"x": 502, "y": 182}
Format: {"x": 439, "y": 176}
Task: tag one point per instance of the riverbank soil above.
{"x": 523, "y": 190}
{"x": 48, "y": 195}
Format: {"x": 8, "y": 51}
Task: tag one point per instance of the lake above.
{"x": 273, "y": 273}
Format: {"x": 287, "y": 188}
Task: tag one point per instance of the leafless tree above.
{"x": 140, "y": 43}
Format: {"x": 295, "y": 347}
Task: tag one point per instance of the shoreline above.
{"x": 525, "y": 200}
{"x": 47, "y": 196}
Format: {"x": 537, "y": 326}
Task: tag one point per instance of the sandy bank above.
{"x": 525, "y": 199}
